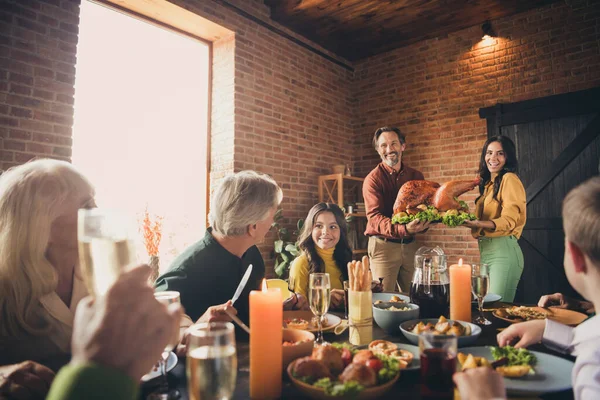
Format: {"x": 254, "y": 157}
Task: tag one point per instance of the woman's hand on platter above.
{"x": 470, "y": 224}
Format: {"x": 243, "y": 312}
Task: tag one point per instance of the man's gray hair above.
{"x": 241, "y": 200}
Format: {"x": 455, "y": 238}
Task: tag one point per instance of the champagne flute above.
{"x": 163, "y": 392}
{"x": 480, "y": 285}
{"x": 211, "y": 363}
{"x": 319, "y": 291}
{"x": 106, "y": 247}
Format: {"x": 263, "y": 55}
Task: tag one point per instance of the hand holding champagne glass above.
{"x": 480, "y": 285}
{"x": 106, "y": 247}
{"x": 319, "y": 291}
{"x": 211, "y": 361}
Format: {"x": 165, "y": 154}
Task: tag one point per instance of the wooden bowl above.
{"x": 290, "y": 353}
{"x": 374, "y": 392}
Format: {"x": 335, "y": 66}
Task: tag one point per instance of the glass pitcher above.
{"x": 430, "y": 286}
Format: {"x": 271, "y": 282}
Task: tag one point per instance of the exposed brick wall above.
{"x": 37, "y": 56}
{"x": 292, "y": 113}
{"x": 276, "y": 108}
{"x": 280, "y": 109}
{"x": 433, "y": 91}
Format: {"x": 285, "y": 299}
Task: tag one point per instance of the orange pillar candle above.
{"x": 266, "y": 343}
{"x": 460, "y": 291}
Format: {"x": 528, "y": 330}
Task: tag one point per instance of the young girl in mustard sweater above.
{"x": 325, "y": 248}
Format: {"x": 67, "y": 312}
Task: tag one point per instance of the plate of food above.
{"x": 466, "y": 332}
{"x": 307, "y": 321}
{"x": 525, "y": 372}
{"x": 155, "y": 373}
{"x": 341, "y": 371}
{"x": 430, "y": 201}
{"x": 522, "y": 313}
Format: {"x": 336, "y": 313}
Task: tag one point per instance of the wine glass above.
{"x": 480, "y": 284}
{"x": 211, "y": 363}
{"x": 319, "y": 290}
{"x": 163, "y": 392}
{"x": 106, "y": 247}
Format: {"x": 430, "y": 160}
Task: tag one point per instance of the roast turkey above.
{"x": 414, "y": 193}
{"x": 445, "y": 196}
{"x": 420, "y": 192}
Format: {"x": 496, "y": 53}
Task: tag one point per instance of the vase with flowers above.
{"x": 152, "y": 232}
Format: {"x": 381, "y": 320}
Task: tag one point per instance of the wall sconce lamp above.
{"x": 488, "y": 31}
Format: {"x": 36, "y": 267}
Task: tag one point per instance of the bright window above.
{"x": 140, "y": 132}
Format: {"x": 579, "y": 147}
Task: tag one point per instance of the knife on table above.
{"x": 242, "y": 284}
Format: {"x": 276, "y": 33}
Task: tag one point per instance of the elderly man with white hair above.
{"x": 208, "y": 272}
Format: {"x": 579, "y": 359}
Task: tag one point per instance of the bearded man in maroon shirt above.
{"x": 391, "y": 247}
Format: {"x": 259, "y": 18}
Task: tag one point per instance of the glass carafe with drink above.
{"x": 211, "y": 363}
{"x": 430, "y": 286}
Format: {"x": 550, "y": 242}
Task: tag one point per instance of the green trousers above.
{"x": 505, "y": 258}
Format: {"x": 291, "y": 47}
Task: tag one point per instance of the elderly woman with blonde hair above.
{"x": 39, "y": 280}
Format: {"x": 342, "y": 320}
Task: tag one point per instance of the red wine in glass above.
{"x": 437, "y": 368}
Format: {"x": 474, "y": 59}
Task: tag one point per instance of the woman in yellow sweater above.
{"x": 501, "y": 213}
{"x": 325, "y": 248}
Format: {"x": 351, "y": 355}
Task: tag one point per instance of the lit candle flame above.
{"x": 264, "y": 285}
{"x": 460, "y": 261}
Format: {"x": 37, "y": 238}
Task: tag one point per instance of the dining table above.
{"x": 407, "y": 386}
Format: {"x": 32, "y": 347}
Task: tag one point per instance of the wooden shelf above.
{"x": 340, "y": 189}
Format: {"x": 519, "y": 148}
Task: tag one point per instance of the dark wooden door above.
{"x": 558, "y": 146}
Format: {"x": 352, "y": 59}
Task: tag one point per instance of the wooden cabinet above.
{"x": 346, "y": 192}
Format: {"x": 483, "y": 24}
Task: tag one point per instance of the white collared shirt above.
{"x": 583, "y": 342}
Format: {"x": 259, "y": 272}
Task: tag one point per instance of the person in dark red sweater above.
{"x": 391, "y": 247}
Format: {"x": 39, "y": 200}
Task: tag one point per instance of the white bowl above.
{"x": 390, "y": 320}
{"x": 462, "y": 341}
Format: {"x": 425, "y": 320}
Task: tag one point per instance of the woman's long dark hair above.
{"x": 511, "y": 164}
{"x": 342, "y": 253}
